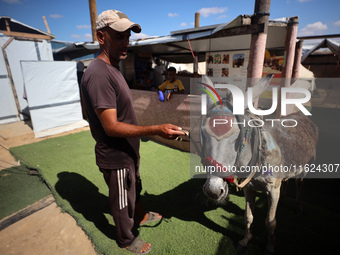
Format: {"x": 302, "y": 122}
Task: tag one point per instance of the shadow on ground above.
{"x": 85, "y": 199}
{"x": 188, "y": 203}
{"x": 185, "y": 202}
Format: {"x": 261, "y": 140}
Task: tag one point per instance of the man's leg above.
{"x": 140, "y": 214}
{"x": 122, "y": 198}
{"x": 117, "y": 198}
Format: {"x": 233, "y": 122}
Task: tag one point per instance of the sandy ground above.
{"x": 47, "y": 231}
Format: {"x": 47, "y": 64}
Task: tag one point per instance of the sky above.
{"x": 70, "y": 20}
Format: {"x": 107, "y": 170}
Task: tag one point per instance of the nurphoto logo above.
{"x": 243, "y": 101}
{"x": 239, "y": 105}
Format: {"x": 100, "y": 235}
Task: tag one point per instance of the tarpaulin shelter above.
{"x": 324, "y": 63}
{"x": 18, "y": 42}
{"x": 231, "y": 40}
{"x": 75, "y": 50}
{"x": 225, "y": 48}
{"x": 32, "y": 85}
{"x": 234, "y": 35}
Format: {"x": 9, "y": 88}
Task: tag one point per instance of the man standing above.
{"x": 159, "y": 73}
{"x": 114, "y": 126}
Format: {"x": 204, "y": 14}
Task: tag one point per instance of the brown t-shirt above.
{"x": 103, "y": 86}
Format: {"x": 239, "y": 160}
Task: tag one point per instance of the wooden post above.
{"x": 195, "y": 64}
{"x": 93, "y": 15}
{"x": 337, "y": 64}
{"x": 288, "y": 61}
{"x": 8, "y": 29}
{"x": 46, "y": 24}
{"x": 258, "y": 42}
{"x": 297, "y": 59}
{"x": 197, "y": 19}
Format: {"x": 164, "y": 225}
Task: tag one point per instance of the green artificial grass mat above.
{"x": 192, "y": 224}
{"x": 19, "y": 189}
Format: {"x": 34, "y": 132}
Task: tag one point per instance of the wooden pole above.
{"x": 258, "y": 43}
{"x": 337, "y": 64}
{"x": 297, "y": 60}
{"x": 8, "y": 29}
{"x": 195, "y": 64}
{"x": 197, "y": 19}
{"x": 93, "y": 15}
{"x": 46, "y": 24}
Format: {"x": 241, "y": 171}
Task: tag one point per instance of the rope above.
{"x": 257, "y": 145}
{"x": 193, "y": 55}
{"x": 192, "y": 52}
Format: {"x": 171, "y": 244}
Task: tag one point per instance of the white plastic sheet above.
{"x": 53, "y": 96}
{"x": 17, "y": 50}
{"x": 8, "y": 108}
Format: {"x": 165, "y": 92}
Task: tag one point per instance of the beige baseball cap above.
{"x": 117, "y": 21}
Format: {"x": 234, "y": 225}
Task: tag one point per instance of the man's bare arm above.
{"x": 112, "y": 127}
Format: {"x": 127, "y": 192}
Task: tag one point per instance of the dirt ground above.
{"x": 47, "y": 231}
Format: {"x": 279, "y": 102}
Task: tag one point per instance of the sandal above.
{"x": 153, "y": 217}
{"x": 137, "y": 246}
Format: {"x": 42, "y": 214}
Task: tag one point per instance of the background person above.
{"x": 172, "y": 85}
{"x": 159, "y": 73}
{"x": 148, "y": 77}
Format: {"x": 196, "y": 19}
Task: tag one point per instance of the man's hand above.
{"x": 169, "y": 131}
{"x": 114, "y": 128}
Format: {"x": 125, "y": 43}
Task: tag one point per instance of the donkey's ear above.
{"x": 206, "y": 80}
{"x": 261, "y": 85}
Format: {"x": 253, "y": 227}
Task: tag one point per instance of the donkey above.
{"x": 268, "y": 145}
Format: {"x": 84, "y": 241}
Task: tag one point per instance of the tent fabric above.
{"x": 53, "y": 96}
{"x": 17, "y": 50}
{"x": 175, "y": 47}
{"x": 75, "y": 50}
{"x": 16, "y": 26}
{"x": 326, "y": 43}
{"x": 8, "y": 109}
{"x": 22, "y": 50}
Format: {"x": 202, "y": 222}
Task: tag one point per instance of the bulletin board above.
{"x": 227, "y": 64}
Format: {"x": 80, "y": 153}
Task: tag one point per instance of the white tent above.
{"x": 32, "y": 85}
{"x": 53, "y": 96}
{"x": 13, "y": 105}
{"x": 18, "y": 42}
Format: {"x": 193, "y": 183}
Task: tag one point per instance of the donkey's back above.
{"x": 298, "y": 143}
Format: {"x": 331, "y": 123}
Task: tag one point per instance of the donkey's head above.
{"x": 223, "y": 136}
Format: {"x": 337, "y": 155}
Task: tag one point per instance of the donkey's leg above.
{"x": 250, "y": 196}
{"x": 283, "y": 191}
{"x": 273, "y": 199}
{"x": 299, "y": 182}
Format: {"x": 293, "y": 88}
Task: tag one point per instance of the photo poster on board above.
{"x": 273, "y": 62}
{"x": 229, "y": 67}
{"x": 227, "y": 64}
